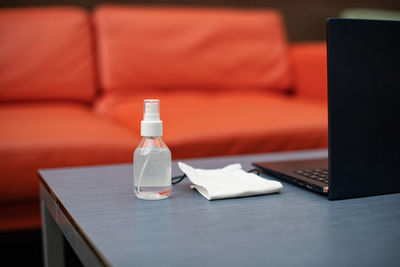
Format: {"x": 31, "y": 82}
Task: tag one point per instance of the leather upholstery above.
{"x": 54, "y": 135}
{"x": 198, "y": 125}
{"x": 46, "y": 54}
{"x": 190, "y": 49}
{"x": 310, "y": 70}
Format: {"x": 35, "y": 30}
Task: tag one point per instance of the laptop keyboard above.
{"x": 320, "y": 174}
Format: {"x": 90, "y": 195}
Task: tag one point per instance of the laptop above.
{"x": 363, "y": 115}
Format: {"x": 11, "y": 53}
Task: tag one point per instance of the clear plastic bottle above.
{"x": 152, "y": 158}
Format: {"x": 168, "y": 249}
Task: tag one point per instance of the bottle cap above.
{"x": 151, "y": 124}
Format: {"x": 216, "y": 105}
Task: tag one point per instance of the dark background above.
{"x": 305, "y": 19}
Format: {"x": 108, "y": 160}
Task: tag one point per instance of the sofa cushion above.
{"x": 34, "y": 136}
{"x": 200, "y": 124}
{"x": 45, "y": 54}
{"x": 142, "y": 48}
{"x": 310, "y": 70}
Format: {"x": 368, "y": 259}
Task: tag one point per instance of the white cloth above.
{"x": 228, "y": 182}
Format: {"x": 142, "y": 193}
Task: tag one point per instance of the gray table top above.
{"x": 292, "y": 228}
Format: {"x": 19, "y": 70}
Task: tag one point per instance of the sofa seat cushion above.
{"x": 34, "y": 136}
{"x": 220, "y": 124}
{"x": 190, "y": 48}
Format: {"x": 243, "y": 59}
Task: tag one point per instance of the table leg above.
{"x": 53, "y": 241}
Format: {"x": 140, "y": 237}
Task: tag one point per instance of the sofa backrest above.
{"x": 46, "y": 54}
{"x": 310, "y": 70}
{"x": 147, "y": 48}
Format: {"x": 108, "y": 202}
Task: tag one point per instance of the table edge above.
{"x": 61, "y": 206}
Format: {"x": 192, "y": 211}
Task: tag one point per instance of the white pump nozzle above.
{"x": 151, "y": 124}
{"x": 151, "y": 110}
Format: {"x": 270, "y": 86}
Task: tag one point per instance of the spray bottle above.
{"x": 152, "y": 158}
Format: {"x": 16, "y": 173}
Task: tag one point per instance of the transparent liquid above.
{"x": 152, "y": 173}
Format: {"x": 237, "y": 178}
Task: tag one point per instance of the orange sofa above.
{"x": 72, "y": 86}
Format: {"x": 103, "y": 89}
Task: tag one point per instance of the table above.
{"x": 94, "y": 209}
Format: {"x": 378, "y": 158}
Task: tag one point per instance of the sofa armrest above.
{"x": 309, "y": 68}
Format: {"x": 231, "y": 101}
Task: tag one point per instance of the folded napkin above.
{"x": 228, "y": 182}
